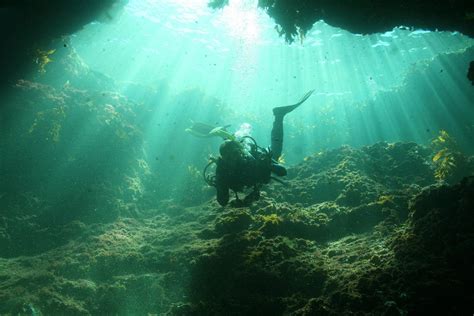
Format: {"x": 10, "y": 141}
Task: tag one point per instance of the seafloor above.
{"x": 380, "y": 230}
{"x": 364, "y": 239}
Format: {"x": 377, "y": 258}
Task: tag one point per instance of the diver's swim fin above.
{"x": 200, "y": 129}
{"x": 205, "y": 131}
{"x": 278, "y": 180}
{"x": 283, "y": 110}
{"x": 221, "y": 131}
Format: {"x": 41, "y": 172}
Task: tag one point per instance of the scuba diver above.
{"x": 242, "y": 163}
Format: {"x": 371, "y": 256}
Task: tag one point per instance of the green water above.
{"x": 95, "y": 156}
{"x": 401, "y": 85}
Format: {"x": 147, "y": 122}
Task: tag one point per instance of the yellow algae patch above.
{"x": 444, "y": 159}
{"x": 42, "y": 58}
{"x": 272, "y": 219}
{"x": 383, "y": 199}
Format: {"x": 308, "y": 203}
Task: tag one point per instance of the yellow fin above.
{"x": 281, "y": 159}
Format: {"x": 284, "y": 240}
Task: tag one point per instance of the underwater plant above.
{"x": 272, "y": 219}
{"x": 42, "y": 58}
{"x": 446, "y": 153}
{"x": 384, "y": 199}
{"x": 134, "y": 186}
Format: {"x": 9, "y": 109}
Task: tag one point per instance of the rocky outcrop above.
{"x": 384, "y": 239}
{"x": 26, "y": 26}
{"x": 295, "y": 18}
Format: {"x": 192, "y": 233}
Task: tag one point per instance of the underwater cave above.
{"x": 236, "y": 157}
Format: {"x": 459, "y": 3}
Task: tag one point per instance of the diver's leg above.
{"x": 277, "y": 136}
{"x": 222, "y": 195}
{"x": 279, "y": 170}
{"x": 277, "y": 130}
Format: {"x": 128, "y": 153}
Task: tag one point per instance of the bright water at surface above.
{"x": 400, "y": 85}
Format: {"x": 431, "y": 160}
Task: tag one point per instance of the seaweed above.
{"x": 272, "y": 219}
{"x": 42, "y": 58}
{"x": 446, "y": 155}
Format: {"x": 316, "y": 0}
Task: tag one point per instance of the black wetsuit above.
{"x": 253, "y": 170}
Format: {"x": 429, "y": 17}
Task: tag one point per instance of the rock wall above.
{"x": 383, "y": 239}
{"x": 295, "y": 18}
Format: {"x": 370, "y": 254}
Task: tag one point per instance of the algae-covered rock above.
{"x": 380, "y": 239}
{"x": 432, "y": 253}
{"x": 353, "y": 177}
{"x": 252, "y": 275}
{"x": 295, "y": 18}
{"x": 233, "y": 221}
